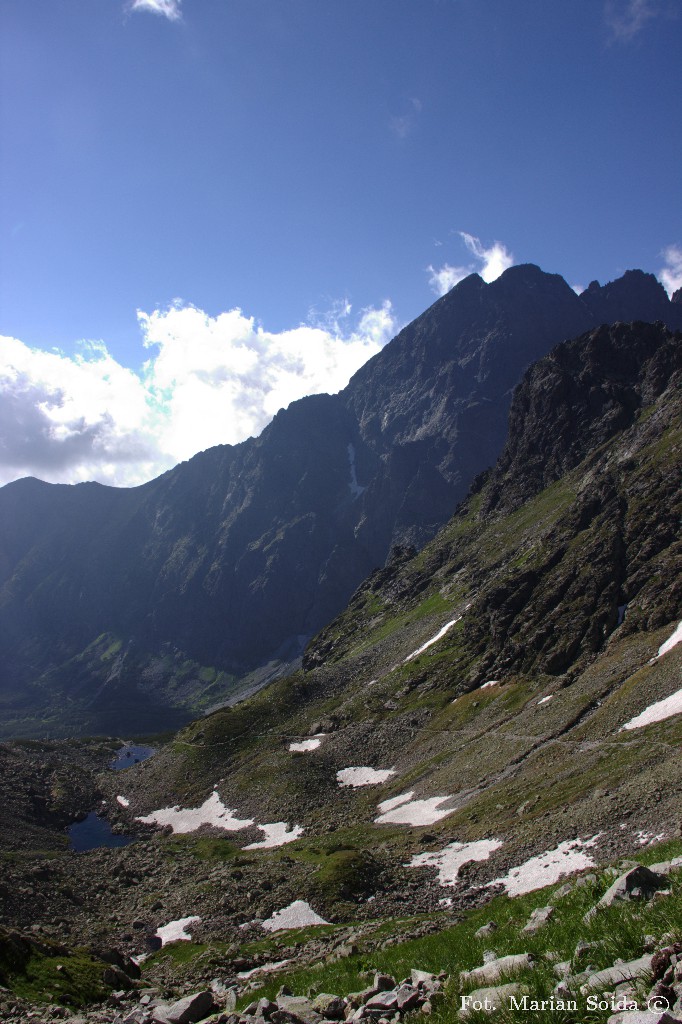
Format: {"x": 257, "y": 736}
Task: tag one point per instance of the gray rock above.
{"x": 612, "y": 976}
{"x": 538, "y": 919}
{"x": 382, "y": 1002}
{"x": 330, "y": 1006}
{"x": 383, "y": 982}
{"x": 192, "y": 1008}
{"x": 486, "y": 930}
{"x": 407, "y": 997}
{"x": 493, "y": 971}
{"x": 421, "y": 977}
{"x": 300, "y": 1008}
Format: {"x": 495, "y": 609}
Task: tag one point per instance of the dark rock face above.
{"x": 118, "y": 597}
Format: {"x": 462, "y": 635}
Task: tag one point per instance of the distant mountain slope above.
{"x": 121, "y": 609}
{"x": 494, "y": 671}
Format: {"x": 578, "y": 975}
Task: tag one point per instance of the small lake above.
{"x": 94, "y": 832}
{"x": 131, "y": 753}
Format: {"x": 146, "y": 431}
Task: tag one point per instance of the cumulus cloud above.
{"x": 670, "y": 275}
{"x": 208, "y": 380}
{"x": 626, "y": 18}
{"x": 488, "y": 262}
{"x": 167, "y": 8}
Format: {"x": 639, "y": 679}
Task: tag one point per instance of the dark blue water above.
{"x": 94, "y": 832}
{"x": 130, "y": 754}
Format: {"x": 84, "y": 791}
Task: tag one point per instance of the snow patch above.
{"x": 673, "y": 640}
{"x": 543, "y": 700}
{"x": 355, "y": 489}
{"x": 263, "y": 969}
{"x": 395, "y": 801}
{"x": 416, "y": 812}
{"x": 363, "y": 776}
{"x": 277, "y": 833}
{"x": 176, "y": 931}
{"x": 491, "y": 682}
{"x": 548, "y": 867}
{"x": 434, "y": 639}
{"x": 649, "y": 838}
{"x": 212, "y": 812}
{"x": 657, "y": 712}
{"x": 450, "y": 859}
{"x": 302, "y": 746}
{"x": 298, "y": 914}
{"x": 123, "y": 801}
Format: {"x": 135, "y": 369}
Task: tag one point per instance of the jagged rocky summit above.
{"x": 134, "y": 606}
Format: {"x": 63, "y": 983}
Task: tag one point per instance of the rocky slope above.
{"x": 470, "y": 723}
{"x": 131, "y": 606}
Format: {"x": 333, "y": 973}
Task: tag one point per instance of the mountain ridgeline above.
{"x": 127, "y": 609}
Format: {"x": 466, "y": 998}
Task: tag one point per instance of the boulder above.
{"x": 601, "y": 981}
{"x": 538, "y": 919}
{"x": 330, "y": 1006}
{"x": 493, "y": 971}
{"x": 190, "y": 1009}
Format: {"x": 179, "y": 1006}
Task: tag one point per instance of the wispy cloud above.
{"x": 208, "y": 380}
{"x": 488, "y": 262}
{"x": 670, "y": 275}
{"x": 403, "y": 125}
{"x": 626, "y": 18}
{"x": 167, "y": 8}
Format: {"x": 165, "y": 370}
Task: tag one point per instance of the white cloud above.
{"x": 670, "y": 275}
{"x": 626, "y": 18}
{"x": 168, "y": 8}
{"x": 209, "y": 380}
{"x": 490, "y": 263}
{"x": 403, "y": 125}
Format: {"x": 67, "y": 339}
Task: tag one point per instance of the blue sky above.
{"x": 325, "y": 166}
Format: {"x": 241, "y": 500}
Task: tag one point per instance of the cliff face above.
{"x": 129, "y": 602}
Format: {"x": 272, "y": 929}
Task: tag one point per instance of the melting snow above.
{"x": 175, "y": 931}
{"x": 649, "y": 838}
{"x": 212, "y": 812}
{"x": 276, "y": 834}
{"x": 673, "y": 640}
{"x": 311, "y": 744}
{"x": 452, "y": 857}
{"x": 123, "y": 801}
{"x": 363, "y": 776}
{"x": 543, "y": 700}
{"x": 549, "y": 867}
{"x": 434, "y": 639}
{"x": 355, "y": 489}
{"x": 414, "y": 812}
{"x": 264, "y": 969}
{"x": 298, "y": 914}
{"x": 657, "y": 712}
{"x": 395, "y": 801}
{"x": 491, "y": 682}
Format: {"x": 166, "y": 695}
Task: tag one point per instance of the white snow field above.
{"x": 298, "y": 914}
{"x": 434, "y": 640}
{"x": 214, "y": 812}
{"x": 301, "y": 746}
{"x": 548, "y": 867}
{"x": 543, "y": 700}
{"x": 277, "y": 833}
{"x": 413, "y": 812}
{"x": 657, "y": 712}
{"x": 363, "y": 776}
{"x": 451, "y": 858}
{"x": 673, "y": 640}
{"x": 176, "y": 931}
{"x": 491, "y": 682}
{"x": 123, "y": 801}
